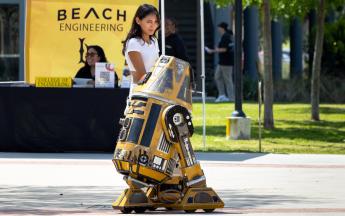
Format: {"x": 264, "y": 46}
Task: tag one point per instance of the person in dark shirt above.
{"x": 93, "y": 55}
{"x": 224, "y": 70}
{"x": 174, "y": 45}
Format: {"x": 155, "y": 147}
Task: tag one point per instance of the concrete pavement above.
{"x": 249, "y": 184}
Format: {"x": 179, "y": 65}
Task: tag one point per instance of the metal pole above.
{"x": 163, "y": 25}
{"x": 238, "y": 60}
{"x": 260, "y": 103}
{"x": 202, "y": 44}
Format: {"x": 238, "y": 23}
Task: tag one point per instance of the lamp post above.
{"x": 238, "y": 125}
{"x": 238, "y": 59}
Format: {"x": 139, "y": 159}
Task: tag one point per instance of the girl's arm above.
{"x": 139, "y": 66}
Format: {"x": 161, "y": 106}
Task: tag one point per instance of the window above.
{"x": 12, "y": 20}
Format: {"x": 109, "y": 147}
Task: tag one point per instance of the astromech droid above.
{"x": 153, "y": 150}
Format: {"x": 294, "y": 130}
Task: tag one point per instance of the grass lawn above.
{"x": 294, "y": 131}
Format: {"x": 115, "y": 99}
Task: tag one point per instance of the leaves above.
{"x": 284, "y": 8}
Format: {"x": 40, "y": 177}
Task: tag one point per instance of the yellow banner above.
{"x": 58, "y": 32}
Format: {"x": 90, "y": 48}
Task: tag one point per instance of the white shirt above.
{"x": 149, "y": 54}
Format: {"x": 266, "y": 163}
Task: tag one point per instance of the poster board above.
{"x": 58, "y": 32}
{"x": 104, "y": 75}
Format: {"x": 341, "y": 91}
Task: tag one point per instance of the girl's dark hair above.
{"x": 135, "y": 31}
{"x": 100, "y": 53}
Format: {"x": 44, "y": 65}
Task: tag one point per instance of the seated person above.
{"x": 94, "y": 54}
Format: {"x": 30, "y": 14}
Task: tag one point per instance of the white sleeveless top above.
{"x": 149, "y": 54}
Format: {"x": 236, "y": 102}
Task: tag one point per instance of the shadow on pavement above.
{"x": 72, "y": 199}
{"x": 239, "y": 199}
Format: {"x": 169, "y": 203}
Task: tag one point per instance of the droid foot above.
{"x": 132, "y": 200}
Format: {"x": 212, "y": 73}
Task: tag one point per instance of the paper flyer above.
{"x": 104, "y": 75}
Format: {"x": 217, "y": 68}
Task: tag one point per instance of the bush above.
{"x": 298, "y": 90}
{"x": 292, "y": 90}
{"x": 250, "y": 89}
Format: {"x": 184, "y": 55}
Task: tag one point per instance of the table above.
{"x": 60, "y": 119}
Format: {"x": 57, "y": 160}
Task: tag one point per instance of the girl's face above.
{"x": 92, "y": 57}
{"x": 148, "y": 24}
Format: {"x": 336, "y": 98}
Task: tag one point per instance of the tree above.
{"x": 300, "y": 8}
{"x": 315, "y": 80}
{"x": 290, "y": 9}
{"x": 268, "y": 78}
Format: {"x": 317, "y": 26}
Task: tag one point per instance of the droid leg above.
{"x": 195, "y": 194}
{"x": 133, "y": 198}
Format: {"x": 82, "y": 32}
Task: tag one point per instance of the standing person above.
{"x": 140, "y": 47}
{"x": 224, "y": 70}
{"x": 174, "y": 45}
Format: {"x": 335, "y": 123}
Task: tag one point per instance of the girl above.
{"x": 140, "y": 47}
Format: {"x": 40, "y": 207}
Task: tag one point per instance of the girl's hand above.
{"x": 142, "y": 78}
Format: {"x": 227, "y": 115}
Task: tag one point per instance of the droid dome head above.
{"x": 169, "y": 80}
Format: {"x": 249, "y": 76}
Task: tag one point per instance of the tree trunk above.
{"x": 315, "y": 81}
{"x": 268, "y": 81}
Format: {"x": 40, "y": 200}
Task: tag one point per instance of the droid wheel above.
{"x": 140, "y": 209}
{"x": 126, "y": 210}
{"x": 190, "y": 211}
{"x": 208, "y": 210}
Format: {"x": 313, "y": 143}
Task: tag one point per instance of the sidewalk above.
{"x": 249, "y": 184}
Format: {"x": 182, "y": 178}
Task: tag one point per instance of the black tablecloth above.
{"x": 60, "y": 120}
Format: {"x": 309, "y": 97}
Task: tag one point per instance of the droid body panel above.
{"x": 153, "y": 150}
